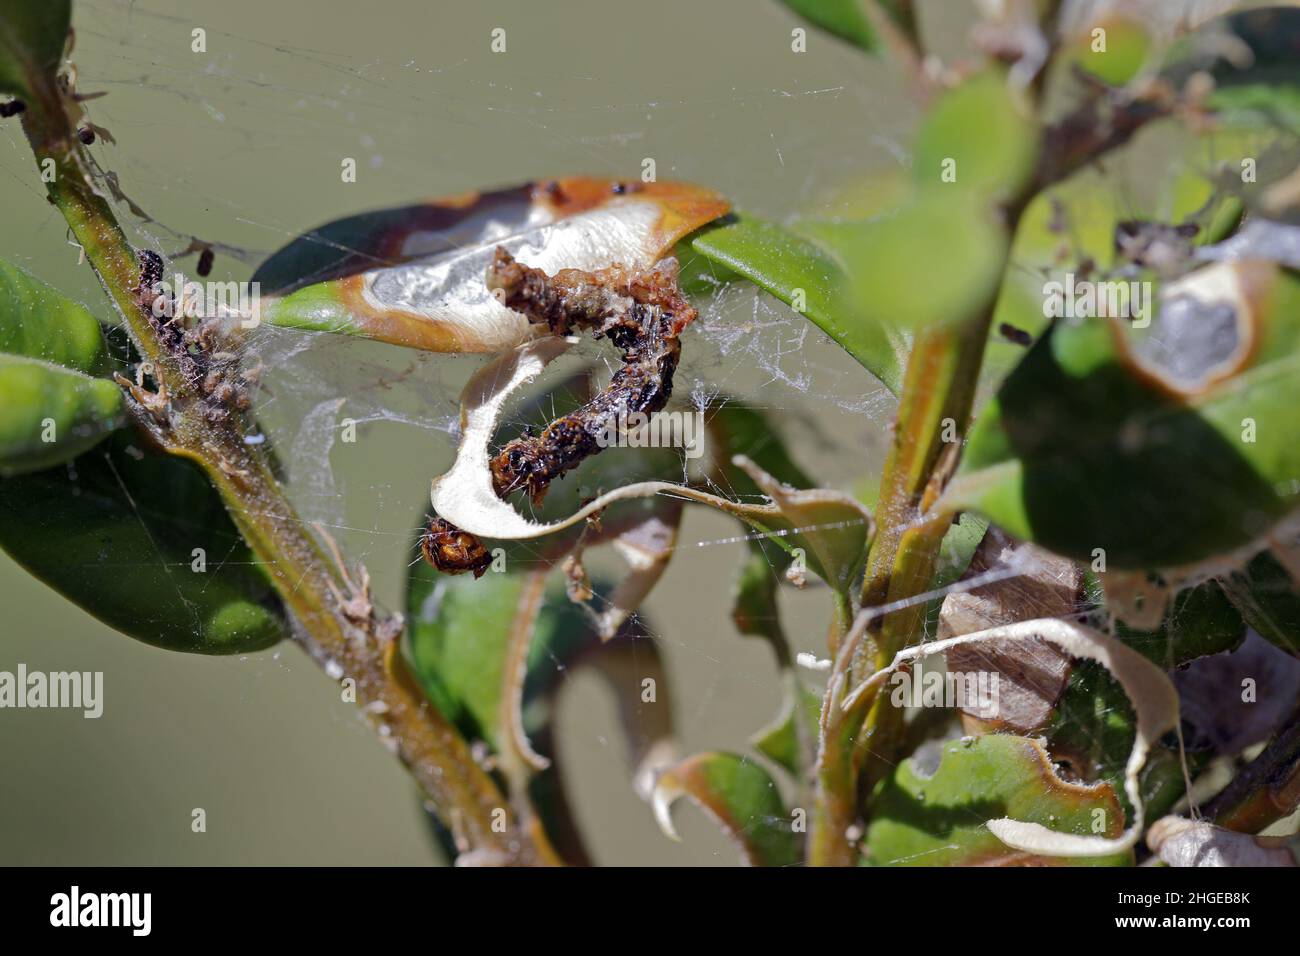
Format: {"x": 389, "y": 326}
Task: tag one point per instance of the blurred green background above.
{"x": 242, "y": 145}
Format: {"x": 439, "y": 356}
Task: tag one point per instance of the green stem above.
{"x": 938, "y": 387}
{"x": 337, "y": 632}
{"x": 937, "y": 396}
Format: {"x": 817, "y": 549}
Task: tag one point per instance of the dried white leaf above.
{"x": 1149, "y": 689}
{"x": 1182, "y": 842}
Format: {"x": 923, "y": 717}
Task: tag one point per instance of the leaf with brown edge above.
{"x": 1148, "y": 688}
{"x": 740, "y": 797}
{"x": 1163, "y": 449}
{"x": 923, "y": 816}
{"x": 413, "y": 275}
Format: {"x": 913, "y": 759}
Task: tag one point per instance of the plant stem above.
{"x": 1267, "y": 790}
{"x": 346, "y": 635}
{"x": 935, "y": 403}
{"x": 939, "y": 386}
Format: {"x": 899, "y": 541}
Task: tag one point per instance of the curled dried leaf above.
{"x": 1181, "y": 842}
{"x": 740, "y": 796}
{"x": 1154, "y": 700}
{"x": 835, "y": 525}
{"x": 1030, "y": 678}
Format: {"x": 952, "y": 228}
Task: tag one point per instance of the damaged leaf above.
{"x": 1147, "y": 687}
{"x": 833, "y": 527}
{"x": 740, "y": 797}
{"x": 1266, "y": 594}
{"x": 1024, "y": 582}
{"x": 413, "y": 275}
{"x": 938, "y": 819}
{"x": 1093, "y": 726}
{"x": 486, "y": 650}
{"x": 1181, "y": 842}
{"x": 1160, "y": 451}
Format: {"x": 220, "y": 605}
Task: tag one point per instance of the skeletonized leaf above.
{"x": 1022, "y": 582}
{"x": 938, "y": 818}
{"x": 1093, "y": 725}
{"x": 1162, "y": 449}
{"x": 1148, "y": 688}
{"x": 50, "y": 414}
{"x": 414, "y": 275}
{"x": 740, "y": 797}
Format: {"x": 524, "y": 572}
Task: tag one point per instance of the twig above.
{"x": 207, "y": 426}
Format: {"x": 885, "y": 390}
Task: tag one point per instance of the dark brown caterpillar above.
{"x": 642, "y": 312}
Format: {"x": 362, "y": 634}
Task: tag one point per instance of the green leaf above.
{"x": 1131, "y": 445}
{"x": 115, "y": 532}
{"x": 893, "y": 259}
{"x": 1201, "y": 621}
{"x": 1092, "y": 732}
{"x": 940, "y": 819}
{"x": 977, "y": 138}
{"x": 50, "y": 414}
{"x": 40, "y": 323}
{"x": 1267, "y": 597}
{"x": 1124, "y": 52}
{"x": 843, "y": 18}
{"x": 1264, "y": 105}
{"x": 32, "y": 34}
{"x": 791, "y": 740}
{"x": 784, "y": 264}
{"x": 740, "y": 796}
{"x": 459, "y": 630}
